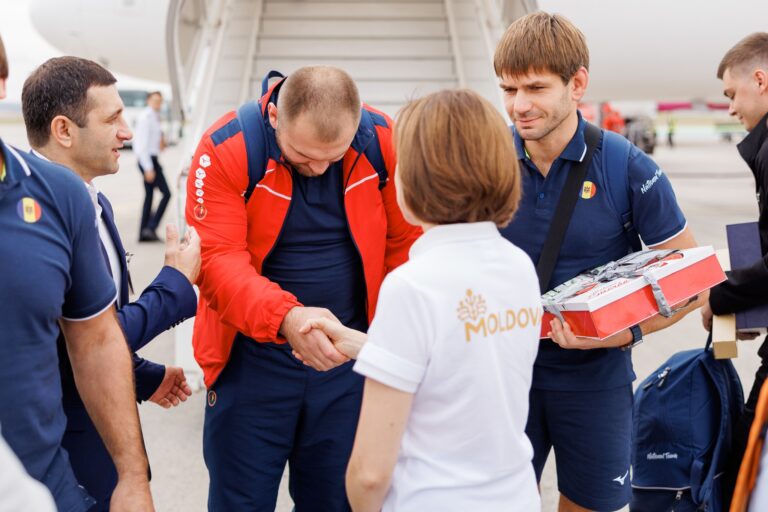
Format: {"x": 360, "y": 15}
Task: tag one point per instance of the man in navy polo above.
{"x": 581, "y": 397}
{"x": 51, "y": 274}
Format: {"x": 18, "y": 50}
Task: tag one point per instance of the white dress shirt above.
{"x": 147, "y": 137}
{"x": 106, "y": 240}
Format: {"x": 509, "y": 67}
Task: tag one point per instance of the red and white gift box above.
{"x": 620, "y": 294}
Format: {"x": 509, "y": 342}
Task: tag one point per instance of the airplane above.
{"x": 214, "y": 52}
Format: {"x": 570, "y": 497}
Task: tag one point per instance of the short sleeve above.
{"x": 655, "y": 213}
{"x": 91, "y": 289}
{"x": 397, "y": 351}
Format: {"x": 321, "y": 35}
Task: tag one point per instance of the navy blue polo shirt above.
{"x": 315, "y": 257}
{"x": 595, "y": 236}
{"x": 50, "y": 267}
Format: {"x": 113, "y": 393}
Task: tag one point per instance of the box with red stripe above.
{"x": 623, "y": 293}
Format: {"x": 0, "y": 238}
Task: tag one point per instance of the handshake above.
{"x": 318, "y": 338}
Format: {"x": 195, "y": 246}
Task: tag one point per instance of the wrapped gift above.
{"x": 623, "y": 293}
{"x": 744, "y": 250}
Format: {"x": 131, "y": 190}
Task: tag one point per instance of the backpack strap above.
{"x": 255, "y": 136}
{"x": 251, "y": 118}
{"x": 569, "y": 195}
{"x": 372, "y": 148}
{"x": 615, "y": 163}
{"x": 703, "y": 478}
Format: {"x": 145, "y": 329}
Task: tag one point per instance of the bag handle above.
{"x": 564, "y": 210}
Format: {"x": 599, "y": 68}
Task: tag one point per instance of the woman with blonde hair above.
{"x": 449, "y": 355}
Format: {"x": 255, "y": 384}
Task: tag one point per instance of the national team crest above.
{"x": 29, "y": 210}
{"x": 588, "y": 190}
{"x": 200, "y": 212}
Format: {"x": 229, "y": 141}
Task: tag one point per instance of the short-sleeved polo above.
{"x": 457, "y": 326}
{"x": 52, "y": 267}
{"x": 595, "y": 236}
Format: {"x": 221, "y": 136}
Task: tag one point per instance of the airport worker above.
{"x": 448, "y": 359}
{"x": 316, "y": 238}
{"x": 73, "y": 116}
{"x": 581, "y": 398}
{"x": 54, "y": 281}
{"x": 744, "y": 72}
{"x": 148, "y": 142}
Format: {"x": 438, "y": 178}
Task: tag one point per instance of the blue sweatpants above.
{"x": 267, "y": 409}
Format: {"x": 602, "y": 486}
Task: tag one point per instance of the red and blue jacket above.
{"x": 237, "y": 236}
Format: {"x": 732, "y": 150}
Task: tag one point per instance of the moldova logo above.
{"x": 588, "y": 190}
{"x": 29, "y": 210}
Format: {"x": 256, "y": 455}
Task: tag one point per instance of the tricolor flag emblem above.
{"x": 29, "y": 210}
{"x": 589, "y": 190}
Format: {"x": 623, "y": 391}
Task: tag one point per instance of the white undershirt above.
{"x": 106, "y": 239}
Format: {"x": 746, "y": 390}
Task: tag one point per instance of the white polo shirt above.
{"x": 458, "y": 326}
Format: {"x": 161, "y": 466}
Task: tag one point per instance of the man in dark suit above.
{"x": 73, "y": 116}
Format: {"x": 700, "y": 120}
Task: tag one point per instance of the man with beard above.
{"x": 315, "y": 239}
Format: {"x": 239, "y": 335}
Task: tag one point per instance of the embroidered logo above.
{"x": 29, "y": 210}
{"x": 472, "y": 311}
{"x": 200, "y": 212}
{"x": 620, "y": 479}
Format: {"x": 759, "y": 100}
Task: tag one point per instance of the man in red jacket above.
{"x": 316, "y": 238}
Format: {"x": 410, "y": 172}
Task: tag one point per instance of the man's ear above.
{"x": 272, "y": 113}
{"x": 61, "y": 130}
{"x": 580, "y": 81}
{"x": 761, "y": 79}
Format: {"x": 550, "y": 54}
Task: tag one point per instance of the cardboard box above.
{"x": 744, "y": 249}
{"x": 618, "y": 295}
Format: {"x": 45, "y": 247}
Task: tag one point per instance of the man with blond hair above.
{"x": 744, "y": 72}
{"x": 295, "y": 204}
{"x": 581, "y": 396}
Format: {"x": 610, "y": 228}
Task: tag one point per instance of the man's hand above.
{"x": 131, "y": 495}
{"x": 347, "y": 341}
{"x": 149, "y": 175}
{"x": 706, "y": 316}
{"x": 314, "y": 348}
{"x": 184, "y": 256}
{"x": 562, "y": 334}
{"x": 173, "y": 389}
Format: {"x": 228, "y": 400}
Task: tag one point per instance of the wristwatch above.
{"x": 637, "y": 338}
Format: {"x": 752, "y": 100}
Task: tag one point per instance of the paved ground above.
{"x": 713, "y": 185}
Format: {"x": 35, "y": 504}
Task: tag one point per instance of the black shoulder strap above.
{"x": 564, "y": 211}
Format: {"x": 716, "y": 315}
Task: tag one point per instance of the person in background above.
{"x": 449, "y": 356}
{"x": 148, "y": 142}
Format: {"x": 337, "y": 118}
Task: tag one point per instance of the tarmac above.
{"x": 713, "y": 185}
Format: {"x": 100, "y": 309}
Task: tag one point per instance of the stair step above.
{"x": 364, "y": 10}
{"x": 366, "y": 68}
{"x": 336, "y": 47}
{"x": 309, "y": 28}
